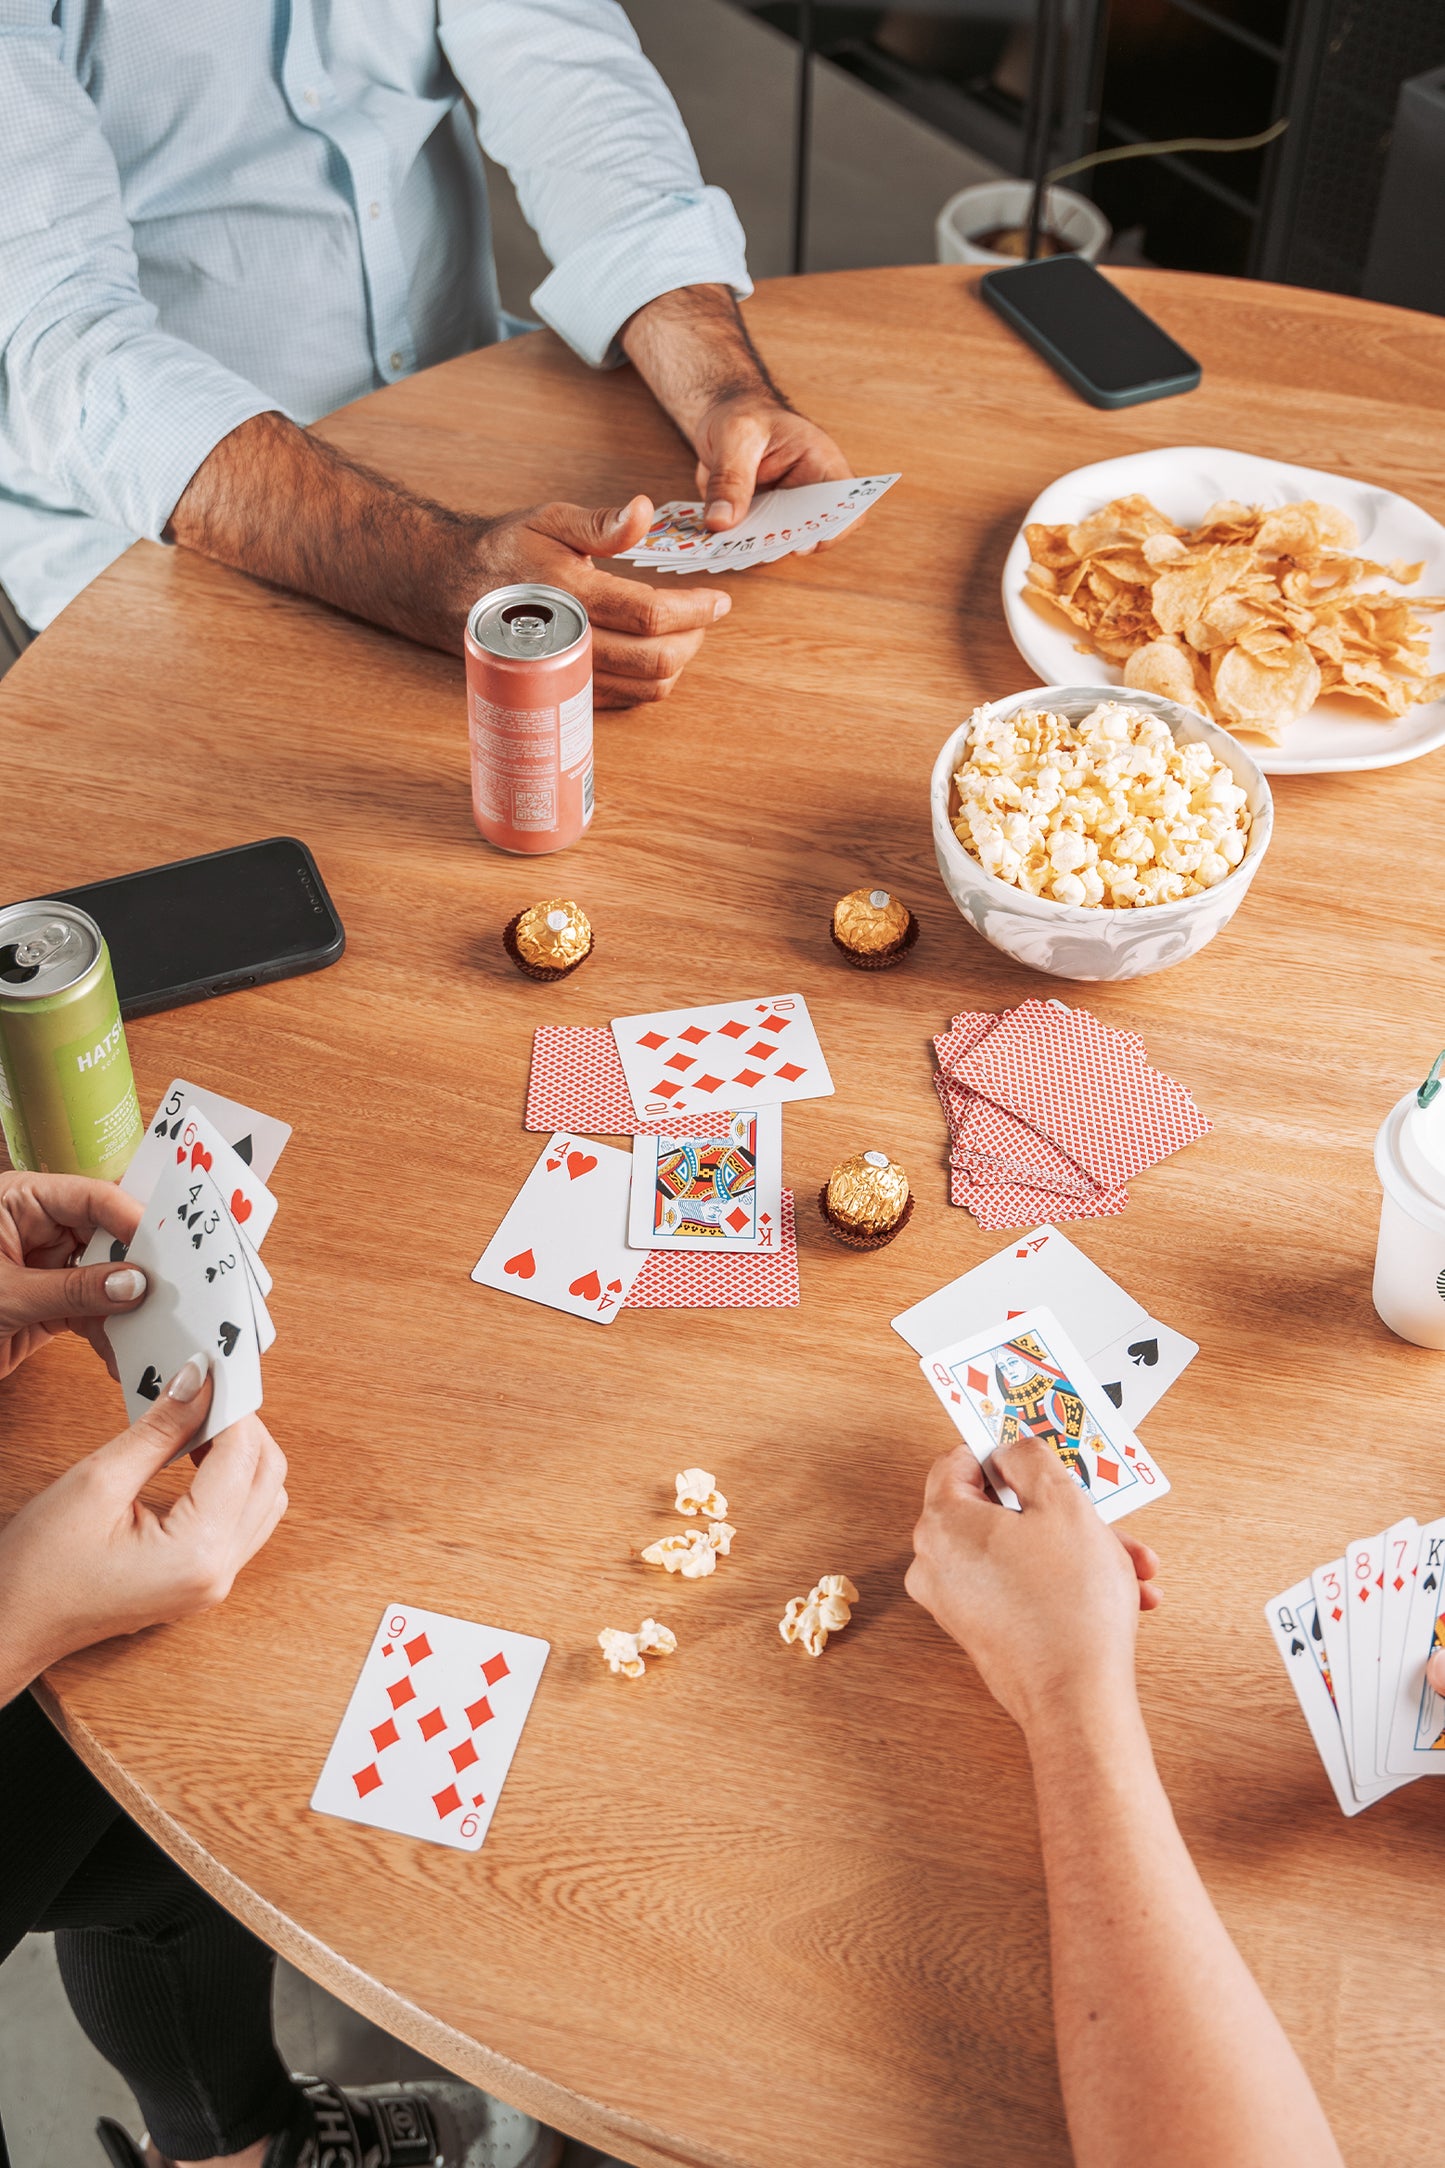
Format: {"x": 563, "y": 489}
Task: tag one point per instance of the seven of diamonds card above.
{"x": 1026, "y": 1379}
{"x": 431, "y": 1727}
{"x": 708, "y": 1192}
{"x": 731, "y": 1054}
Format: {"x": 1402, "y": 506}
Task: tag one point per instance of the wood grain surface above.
{"x": 755, "y": 1909}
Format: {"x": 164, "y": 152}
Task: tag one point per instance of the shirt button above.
{"x": 398, "y": 360}
{"x": 311, "y": 97}
{"x": 373, "y": 210}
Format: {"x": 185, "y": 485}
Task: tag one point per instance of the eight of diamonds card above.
{"x": 730, "y": 1054}
{"x": 710, "y": 1193}
{"x": 431, "y": 1728}
{"x": 1028, "y": 1380}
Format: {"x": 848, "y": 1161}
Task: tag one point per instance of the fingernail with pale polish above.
{"x": 720, "y": 509}
{"x": 721, "y": 607}
{"x": 189, "y": 1379}
{"x": 125, "y": 1286}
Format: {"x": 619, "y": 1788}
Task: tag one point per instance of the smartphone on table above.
{"x": 1096, "y": 337}
{"x": 210, "y": 925}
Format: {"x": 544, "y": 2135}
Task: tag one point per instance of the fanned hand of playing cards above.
{"x": 1012, "y": 1382}
{"x": 1135, "y": 1357}
{"x": 778, "y": 523}
{"x": 1355, "y": 1639}
{"x": 1051, "y": 1112}
{"x": 207, "y": 1212}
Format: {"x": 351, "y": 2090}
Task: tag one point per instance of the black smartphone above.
{"x": 204, "y": 926}
{"x": 1097, "y": 339}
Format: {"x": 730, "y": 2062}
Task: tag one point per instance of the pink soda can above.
{"x": 529, "y": 718}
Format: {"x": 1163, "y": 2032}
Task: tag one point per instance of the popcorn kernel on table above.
{"x": 826, "y": 1609}
{"x": 623, "y": 1652}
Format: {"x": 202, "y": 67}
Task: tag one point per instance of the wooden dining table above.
{"x": 753, "y": 1910}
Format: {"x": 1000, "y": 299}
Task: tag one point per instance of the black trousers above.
{"x": 171, "y": 1989}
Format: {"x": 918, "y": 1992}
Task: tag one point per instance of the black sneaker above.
{"x": 435, "y": 2123}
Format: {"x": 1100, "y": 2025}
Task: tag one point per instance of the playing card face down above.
{"x": 708, "y": 1193}
{"x": 1294, "y": 1621}
{"x": 199, "y": 1299}
{"x": 1028, "y": 1380}
{"x": 577, "y": 1082}
{"x": 737, "y": 1280}
{"x": 564, "y": 1239}
{"x": 749, "y": 1053}
{"x": 1417, "y": 1730}
{"x": 778, "y": 522}
{"x": 259, "y": 1139}
{"x": 431, "y": 1727}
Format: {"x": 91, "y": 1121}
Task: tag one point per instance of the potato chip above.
{"x": 1279, "y": 595}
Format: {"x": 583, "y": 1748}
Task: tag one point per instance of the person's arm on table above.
{"x": 1046, "y": 1601}
{"x": 646, "y": 260}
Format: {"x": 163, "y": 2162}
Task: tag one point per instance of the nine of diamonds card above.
{"x": 731, "y": 1054}
{"x": 431, "y": 1727}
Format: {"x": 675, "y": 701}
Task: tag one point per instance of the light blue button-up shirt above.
{"x": 214, "y": 208}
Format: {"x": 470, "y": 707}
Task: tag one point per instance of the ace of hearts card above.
{"x": 710, "y": 1193}
{"x": 752, "y": 1053}
{"x": 1026, "y": 1379}
{"x": 431, "y": 1727}
{"x": 564, "y": 1239}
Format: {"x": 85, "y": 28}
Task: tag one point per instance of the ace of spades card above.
{"x": 199, "y": 1301}
{"x": 564, "y": 1239}
{"x": 431, "y": 1727}
{"x": 1026, "y": 1379}
{"x": 710, "y": 1193}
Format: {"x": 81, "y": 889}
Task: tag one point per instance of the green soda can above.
{"x": 67, "y": 1096}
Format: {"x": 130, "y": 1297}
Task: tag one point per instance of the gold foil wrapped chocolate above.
{"x": 549, "y": 939}
{"x": 866, "y": 1200}
{"x": 873, "y": 928}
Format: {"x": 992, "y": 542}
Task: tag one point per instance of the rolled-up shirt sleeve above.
{"x": 604, "y": 171}
{"x": 112, "y": 413}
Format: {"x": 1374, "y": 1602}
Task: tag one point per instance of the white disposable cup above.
{"x": 1409, "y": 1289}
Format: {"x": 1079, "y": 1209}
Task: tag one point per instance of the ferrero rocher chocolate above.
{"x": 550, "y": 939}
{"x": 866, "y": 1200}
{"x": 873, "y": 928}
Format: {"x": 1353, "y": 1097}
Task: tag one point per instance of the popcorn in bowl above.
{"x": 1111, "y": 811}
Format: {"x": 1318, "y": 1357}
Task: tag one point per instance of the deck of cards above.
{"x": 1355, "y": 1639}
{"x": 694, "y": 1215}
{"x": 200, "y": 1173}
{"x": 778, "y": 523}
{"x": 1050, "y": 1113}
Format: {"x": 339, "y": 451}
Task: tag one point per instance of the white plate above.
{"x": 1184, "y": 480}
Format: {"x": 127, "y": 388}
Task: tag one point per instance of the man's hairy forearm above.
{"x": 281, "y": 504}
{"x": 693, "y": 349}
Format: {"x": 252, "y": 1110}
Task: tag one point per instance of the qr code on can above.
{"x": 535, "y": 808}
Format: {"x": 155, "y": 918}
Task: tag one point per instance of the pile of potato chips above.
{"x": 1251, "y": 616}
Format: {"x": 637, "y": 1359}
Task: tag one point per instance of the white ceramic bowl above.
{"x": 1074, "y": 941}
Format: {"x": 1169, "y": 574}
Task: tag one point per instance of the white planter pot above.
{"x": 991, "y": 204}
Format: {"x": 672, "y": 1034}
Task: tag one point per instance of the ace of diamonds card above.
{"x": 431, "y": 1727}
{"x": 1026, "y": 1379}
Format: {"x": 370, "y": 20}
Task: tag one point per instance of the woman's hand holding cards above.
{"x": 44, "y": 1220}
{"x": 88, "y": 1558}
{"x": 1013, "y": 1588}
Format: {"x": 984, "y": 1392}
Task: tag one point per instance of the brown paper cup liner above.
{"x": 852, "y": 1241}
{"x": 543, "y": 972}
{"x": 878, "y": 959}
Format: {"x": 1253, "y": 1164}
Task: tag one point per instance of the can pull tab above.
{"x": 55, "y": 943}
{"x": 1430, "y": 1089}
